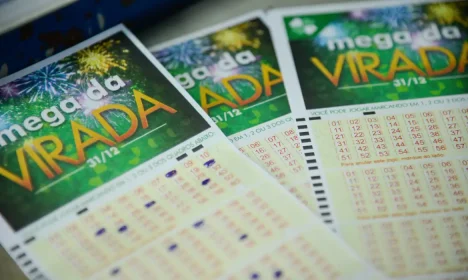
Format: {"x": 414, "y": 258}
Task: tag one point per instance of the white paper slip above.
{"x": 378, "y": 93}
{"x": 231, "y": 70}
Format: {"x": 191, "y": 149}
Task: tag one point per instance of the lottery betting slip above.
{"x": 231, "y": 70}
{"x": 109, "y": 170}
{"x": 378, "y": 93}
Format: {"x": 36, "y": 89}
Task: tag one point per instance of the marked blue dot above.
{"x": 198, "y": 224}
{"x": 149, "y": 204}
{"x": 278, "y": 274}
{"x": 209, "y": 163}
{"x": 255, "y": 276}
{"x": 172, "y": 247}
{"x": 243, "y": 237}
{"x": 171, "y": 173}
{"x": 205, "y": 182}
{"x": 100, "y": 231}
{"x": 123, "y": 229}
{"x": 115, "y": 271}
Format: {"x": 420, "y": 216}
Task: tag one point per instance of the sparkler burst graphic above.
{"x": 4, "y": 120}
{"x": 88, "y": 106}
{"x": 394, "y": 17}
{"x": 419, "y": 41}
{"x": 52, "y": 80}
{"x": 358, "y": 14}
{"x": 447, "y": 13}
{"x": 332, "y": 31}
{"x": 8, "y": 90}
{"x": 214, "y": 83}
{"x": 10, "y": 113}
{"x": 189, "y": 53}
{"x": 99, "y": 59}
{"x": 236, "y": 38}
{"x": 218, "y": 74}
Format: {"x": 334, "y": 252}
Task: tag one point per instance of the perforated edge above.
{"x": 313, "y": 169}
{"x": 26, "y": 263}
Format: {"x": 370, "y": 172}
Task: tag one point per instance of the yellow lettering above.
{"x": 205, "y": 93}
{"x": 463, "y": 58}
{"x": 25, "y": 179}
{"x": 335, "y": 78}
{"x": 77, "y": 129}
{"x": 133, "y": 118}
{"x": 55, "y": 155}
{"x": 408, "y": 65}
{"x": 364, "y": 69}
{"x": 258, "y": 88}
{"x": 139, "y": 97}
{"x": 427, "y": 64}
{"x": 266, "y": 72}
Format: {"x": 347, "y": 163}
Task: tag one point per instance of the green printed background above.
{"x": 308, "y": 36}
{"x": 69, "y": 77}
{"x": 251, "y": 35}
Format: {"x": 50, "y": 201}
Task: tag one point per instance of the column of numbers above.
{"x": 395, "y": 130}
{"x": 433, "y": 131}
{"x": 390, "y": 177}
{"x": 416, "y": 186}
{"x": 284, "y": 152}
{"x": 59, "y": 243}
{"x": 267, "y": 160}
{"x": 433, "y": 238}
{"x": 339, "y": 137}
{"x": 358, "y": 135}
{"x": 463, "y": 222}
{"x": 132, "y": 237}
{"x": 415, "y": 130}
{"x": 292, "y": 138}
{"x": 375, "y": 189}
{"x": 454, "y": 129}
{"x": 455, "y": 239}
{"x": 413, "y": 244}
{"x": 434, "y": 183}
{"x": 377, "y": 136}
{"x": 223, "y": 172}
{"x": 464, "y": 116}
{"x": 454, "y": 182}
{"x": 393, "y": 249}
{"x": 464, "y": 166}
{"x": 371, "y": 243}
{"x": 354, "y": 185}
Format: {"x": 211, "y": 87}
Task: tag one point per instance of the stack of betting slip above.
{"x": 211, "y": 157}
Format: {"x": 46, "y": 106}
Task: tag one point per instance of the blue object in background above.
{"x": 72, "y": 24}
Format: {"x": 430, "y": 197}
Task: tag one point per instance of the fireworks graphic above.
{"x": 52, "y": 80}
{"x": 88, "y": 106}
{"x": 193, "y": 52}
{"x": 8, "y": 90}
{"x": 3, "y": 120}
{"x": 358, "y": 15}
{"x": 447, "y": 13}
{"x": 332, "y": 31}
{"x": 99, "y": 59}
{"x": 253, "y": 70}
{"x": 393, "y": 17}
{"x": 218, "y": 74}
{"x": 236, "y": 38}
{"x": 215, "y": 84}
{"x": 419, "y": 41}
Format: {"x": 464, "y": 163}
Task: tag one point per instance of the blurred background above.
{"x": 31, "y": 30}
